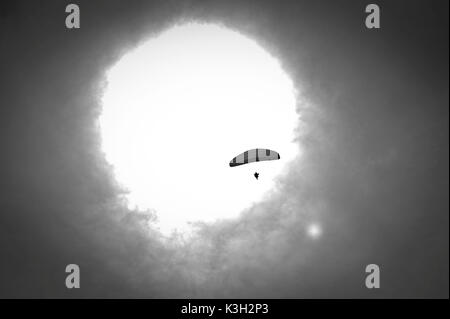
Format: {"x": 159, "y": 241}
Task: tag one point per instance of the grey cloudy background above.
{"x": 374, "y": 106}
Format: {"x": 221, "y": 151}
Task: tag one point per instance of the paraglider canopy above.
{"x": 254, "y": 155}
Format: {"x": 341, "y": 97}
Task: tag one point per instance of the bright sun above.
{"x": 180, "y": 106}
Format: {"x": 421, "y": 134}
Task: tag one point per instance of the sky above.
{"x": 374, "y": 168}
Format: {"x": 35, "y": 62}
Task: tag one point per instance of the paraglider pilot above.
{"x": 256, "y": 175}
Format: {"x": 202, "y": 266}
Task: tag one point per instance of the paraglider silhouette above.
{"x": 254, "y": 155}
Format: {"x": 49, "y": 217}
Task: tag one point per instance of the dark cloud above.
{"x": 374, "y": 169}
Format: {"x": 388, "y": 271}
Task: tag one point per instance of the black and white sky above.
{"x": 375, "y": 166}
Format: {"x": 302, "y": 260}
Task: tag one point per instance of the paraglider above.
{"x": 254, "y": 155}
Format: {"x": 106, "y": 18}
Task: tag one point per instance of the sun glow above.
{"x": 180, "y": 106}
{"x": 314, "y": 231}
